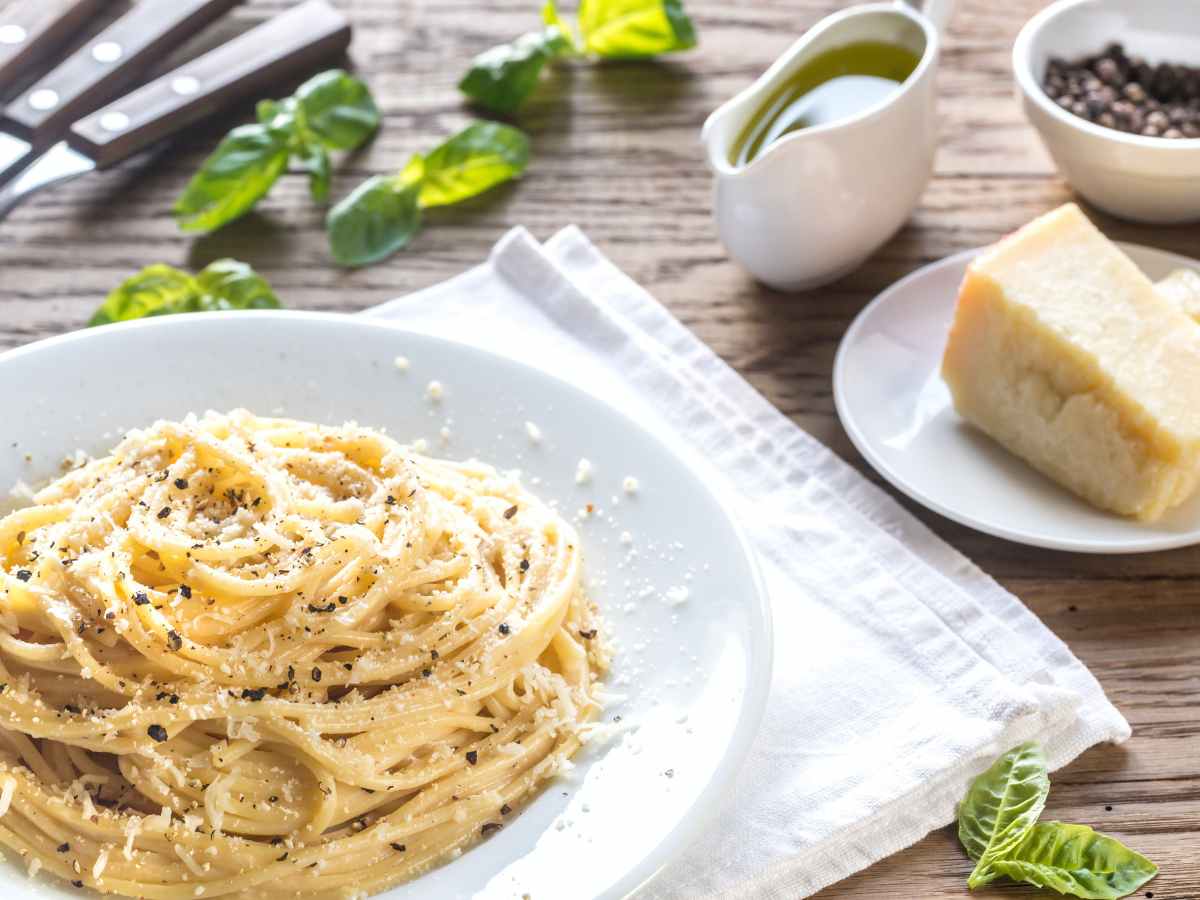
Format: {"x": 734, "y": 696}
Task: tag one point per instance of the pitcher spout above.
{"x": 722, "y": 129}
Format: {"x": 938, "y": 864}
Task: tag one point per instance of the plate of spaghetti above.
{"x": 272, "y": 627}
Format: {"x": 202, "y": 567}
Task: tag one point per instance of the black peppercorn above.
{"x": 1127, "y": 94}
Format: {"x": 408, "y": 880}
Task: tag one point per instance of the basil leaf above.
{"x": 314, "y": 159}
{"x": 237, "y": 175}
{"x": 230, "y": 284}
{"x": 377, "y": 219}
{"x": 552, "y": 19}
{"x": 1075, "y": 860}
{"x": 1000, "y": 807}
{"x": 481, "y": 156}
{"x": 338, "y": 109}
{"x": 635, "y": 28}
{"x": 162, "y": 290}
{"x": 155, "y": 290}
{"x": 501, "y": 78}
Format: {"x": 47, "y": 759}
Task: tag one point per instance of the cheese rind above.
{"x": 1063, "y": 351}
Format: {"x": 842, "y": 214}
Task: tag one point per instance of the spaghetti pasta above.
{"x": 257, "y": 657}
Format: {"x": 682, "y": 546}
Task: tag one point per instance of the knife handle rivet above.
{"x": 114, "y": 121}
{"x": 43, "y": 98}
{"x": 12, "y": 34}
{"x": 185, "y": 85}
{"x": 107, "y": 52}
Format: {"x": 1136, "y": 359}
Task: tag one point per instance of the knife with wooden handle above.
{"x": 283, "y": 47}
{"x": 97, "y": 72}
{"x": 32, "y": 30}
{"x": 107, "y": 64}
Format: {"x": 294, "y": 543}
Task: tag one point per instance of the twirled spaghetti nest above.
{"x": 258, "y": 657}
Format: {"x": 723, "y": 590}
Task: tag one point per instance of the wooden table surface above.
{"x": 616, "y": 152}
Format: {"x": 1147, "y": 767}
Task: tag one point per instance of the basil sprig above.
{"x": 384, "y": 212}
{"x": 330, "y": 111}
{"x": 501, "y": 78}
{"x": 998, "y": 827}
{"x": 162, "y": 290}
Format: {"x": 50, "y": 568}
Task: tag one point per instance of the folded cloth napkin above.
{"x": 901, "y": 670}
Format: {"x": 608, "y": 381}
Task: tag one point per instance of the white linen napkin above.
{"x": 901, "y": 670}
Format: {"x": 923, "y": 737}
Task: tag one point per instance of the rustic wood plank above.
{"x": 616, "y": 152}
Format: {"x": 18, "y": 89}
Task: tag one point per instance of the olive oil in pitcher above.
{"x": 833, "y": 85}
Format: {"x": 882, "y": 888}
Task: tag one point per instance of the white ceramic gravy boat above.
{"x": 814, "y": 204}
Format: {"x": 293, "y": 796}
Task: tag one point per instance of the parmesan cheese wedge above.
{"x": 1066, "y": 354}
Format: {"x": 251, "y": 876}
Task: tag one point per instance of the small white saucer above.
{"x": 897, "y": 410}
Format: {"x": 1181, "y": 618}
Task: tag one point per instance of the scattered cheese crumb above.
{"x": 626, "y": 538}
{"x": 583, "y": 472}
{"x": 676, "y": 596}
{"x": 434, "y": 391}
{"x": 401, "y": 363}
{"x": 6, "y": 794}
{"x": 535, "y": 433}
{"x": 629, "y": 485}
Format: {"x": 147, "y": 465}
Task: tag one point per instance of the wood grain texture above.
{"x": 616, "y": 152}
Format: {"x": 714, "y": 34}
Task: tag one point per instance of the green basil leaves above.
{"x": 162, "y": 290}
{"x": 481, "y": 156}
{"x": 384, "y": 212}
{"x": 1075, "y": 860}
{"x": 237, "y": 175}
{"x": 337, "y": 109}
{"x": 635, "y": 28}
{"x": 500, "y": 79}
{"x": 377, "y": 219}
{"x": 330, "y": 111}
{"x": 1000, "y": 808}
{"x": 998, "y": 827}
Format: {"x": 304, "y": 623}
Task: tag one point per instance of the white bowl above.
{"x": 695, "y": 674}
{"x": 1146, "y": 179}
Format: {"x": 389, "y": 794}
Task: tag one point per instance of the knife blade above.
{"x": 96, "y": 72}
{"x": 282, "y": 47}
{"x": 58, "y": 164}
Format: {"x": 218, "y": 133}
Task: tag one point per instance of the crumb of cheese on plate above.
{"x": 1064, "y": 352}
{"x": 583, "y": 472}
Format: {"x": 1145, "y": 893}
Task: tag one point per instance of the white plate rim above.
{"x": 709, "y": 801}
{"x": 880, "y": 464}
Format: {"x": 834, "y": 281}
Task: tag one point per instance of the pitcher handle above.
{"x": 938, "y": 12}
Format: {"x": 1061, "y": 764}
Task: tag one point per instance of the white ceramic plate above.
{"x": 897, "y": 410}
{"x": 695, "y": 674}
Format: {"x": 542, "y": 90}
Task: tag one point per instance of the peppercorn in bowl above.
{"x": 1113, "y": 89}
